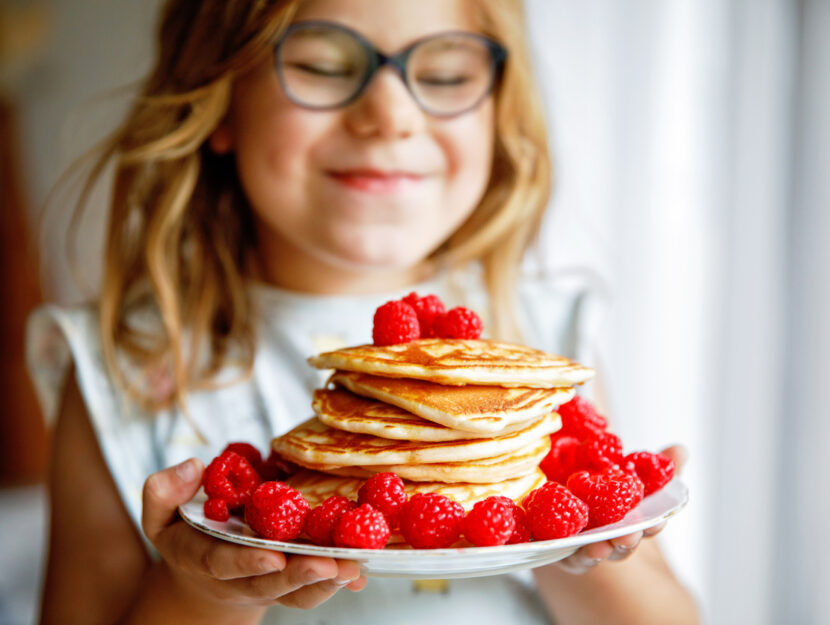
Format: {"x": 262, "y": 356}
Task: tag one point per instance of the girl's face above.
{"x": 354, "y": 199}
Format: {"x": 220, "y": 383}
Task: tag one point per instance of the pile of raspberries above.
{"x": 590, "y": 484}
{"x": 414, "y": 317}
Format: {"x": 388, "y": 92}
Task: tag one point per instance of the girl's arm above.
{"x": 98, "y": 571}
{"x": 639, "y": 591}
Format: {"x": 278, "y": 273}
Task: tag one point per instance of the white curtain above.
{"x": 691, "y": 138}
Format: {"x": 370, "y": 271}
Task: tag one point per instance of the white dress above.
{"x": 559, "y": 316}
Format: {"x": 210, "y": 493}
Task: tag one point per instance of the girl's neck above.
{"x": 295, "y": 271}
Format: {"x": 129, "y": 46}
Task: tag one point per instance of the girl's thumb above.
{"x": 165, "y": 491}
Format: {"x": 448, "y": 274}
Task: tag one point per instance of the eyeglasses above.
{"x": 324, "y": 65}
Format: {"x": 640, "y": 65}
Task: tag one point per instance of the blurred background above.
{"x": 692, "y": 149}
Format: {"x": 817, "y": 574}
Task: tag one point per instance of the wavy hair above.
{"x": 180, "y": 233}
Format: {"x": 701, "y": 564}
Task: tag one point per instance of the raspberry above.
{"x": 276, "y": 511}
{"x": 384, "y": 492}
{"x": 554, "y": 512}
{"x": 600, "y": 452}
{"x": 458, "y": 323}
{"x": 363, "y": 528}
{"x": 247, "y": 451}
{"x": 431, "y": 521}
{"x": 655, "y": 470}
{"x": 580, "y": 419}
{"x": 230, "y": 477}
{"x": 609, "y": 494}
{"x": 521, "y": 532}
{"x": 320, "y": 522}
{"x": 490, "y": 522}
{"x": 562, "y": 459}
{"x": 217, "y": 510}
{"x": 427, "y": 308}
{"x": 276, "y": 468}
{"x": 395, "y": 322}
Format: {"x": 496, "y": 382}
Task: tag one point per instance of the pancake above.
{"x": 485, "y": 471}
{"x": 343, "y": 410}
{"x": 459, "y": 362}
{"x": 315, "y": 443}
{"x": 481, "y": 409}
{"x": 317, "y": 487}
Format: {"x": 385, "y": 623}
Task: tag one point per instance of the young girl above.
{"x": 289, "y": 167}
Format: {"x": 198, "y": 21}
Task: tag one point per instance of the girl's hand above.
{"x": 232, "y": 577}
{"x": 586, "y": 558}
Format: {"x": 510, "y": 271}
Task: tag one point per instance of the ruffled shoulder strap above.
{"x": 56, "y": 337}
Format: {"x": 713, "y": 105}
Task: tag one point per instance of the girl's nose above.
{"x": 385, "y": 109}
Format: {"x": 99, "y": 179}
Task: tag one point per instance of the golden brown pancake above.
{"x": 342, "y": 410}
{"x": 317, "y": 487}
{"x": 472, "y": 408}
{"x": 315, "y": 443}
{"x": 459, "y": 362}
{"x": 485, "y": 471}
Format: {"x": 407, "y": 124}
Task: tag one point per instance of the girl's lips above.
{"x": 375, "y": 181}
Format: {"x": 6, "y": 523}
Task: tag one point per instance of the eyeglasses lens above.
{"x": 325, "y": 67}
{"x": 450, "y": 73}
{"x": 322, "y": 67}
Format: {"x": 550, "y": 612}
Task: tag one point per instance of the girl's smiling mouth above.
{"x": 375, "y": 180}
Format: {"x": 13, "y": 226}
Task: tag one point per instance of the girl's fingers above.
{"x": 652, "y": 531}
{"x": 300, "y": 571}
{"x": 311, "y": 596}
{"x": 200, "y": 554}
{"x": 164, "y": 492}
{"x": 624, "y": 546}
{"x": 679, "y": 454}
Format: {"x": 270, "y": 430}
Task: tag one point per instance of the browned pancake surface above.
{"x": 472, "y": 408}
{"x": 343, "y": 410}
{"x": 458, "y": 362}
{"x": 315, "y": 443}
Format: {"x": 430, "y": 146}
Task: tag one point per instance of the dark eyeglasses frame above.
{"x": 378, "y": 60}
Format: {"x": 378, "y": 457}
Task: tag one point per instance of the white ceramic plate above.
{"x": 402, "y": 561}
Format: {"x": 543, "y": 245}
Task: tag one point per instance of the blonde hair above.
{"x": 180, "y": 232}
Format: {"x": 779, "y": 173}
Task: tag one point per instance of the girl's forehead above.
{"x": 392, "y": 24}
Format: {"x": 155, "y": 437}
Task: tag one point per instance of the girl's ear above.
{"x": 221, "y": 139}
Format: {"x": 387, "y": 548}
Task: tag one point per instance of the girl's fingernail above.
{"x": 186, "y": 471}
{"x": 342, "y": 582}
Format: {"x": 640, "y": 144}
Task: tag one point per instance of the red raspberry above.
{"x": 217, "y": 510}
{"x": 247, "y": 451}
{"x": 600, "y": 452}
{"x": 521, "y": 533}
{"x": 230, "y": 477}
{"x": 562, "y": 459}
{"x": 580, "y": 419}
{"x": 276, "y": 468}
{"x": 276, "y": 511}
{"x": 320, "y": 522}
{"x": 431, "y": 521}
{"x": 427, "y": 308}
{"x": 384, "y": 492}
{"x": 554, "y": 512}
{"x": 458, "y": 323}
{"x": 490, "y": 522}
{"x": 609, "y": 494}
{"x": 395, "y": 322}
{"x": 655, "y": 470}
{"x": 362, "y": 528}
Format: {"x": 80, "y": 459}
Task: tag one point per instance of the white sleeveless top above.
{"x": 559, "y": 316}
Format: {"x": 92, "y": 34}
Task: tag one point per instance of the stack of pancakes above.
{"x": 464, "y": 418}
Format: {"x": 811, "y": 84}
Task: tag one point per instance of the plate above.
{"x": 404, "y": 562}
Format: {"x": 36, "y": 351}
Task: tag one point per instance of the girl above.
{"x": 289, "y": 167}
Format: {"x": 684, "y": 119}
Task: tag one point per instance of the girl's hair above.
{"x": 180, "y": 232}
